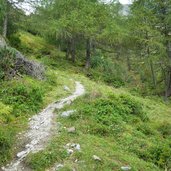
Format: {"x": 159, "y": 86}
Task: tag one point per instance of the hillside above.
{"x": 110, "y": 128}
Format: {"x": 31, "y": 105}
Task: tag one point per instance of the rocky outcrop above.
{"x": 23, "y": 65}
{"x": 31, "y": 68}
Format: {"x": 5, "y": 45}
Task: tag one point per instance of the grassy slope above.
{"x": 18, "y": 100}
{"x": 114, "y": 149}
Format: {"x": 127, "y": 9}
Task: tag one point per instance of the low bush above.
{"x": 159, "y": 154}
{"x": 6, "y": 142}
{"x": 23, "y": 98}
{"x": 165, "y": 129}
{"x": 15, "y": 40}
{"x": 5, "y": 113}
{"x": 113, "y": 112}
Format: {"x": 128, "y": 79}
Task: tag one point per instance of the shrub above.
{"x": 165, "y": 129}
{"x": 159, "y": 154}
{"x": 114, "y": 111}
{"x": 6, "y": 142}
{"x": 15, "y": 40}
{"x": 5, "y": 113}
{"x": 23, "y": 98}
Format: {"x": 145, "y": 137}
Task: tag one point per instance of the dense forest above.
{"x": 116, "y": 57}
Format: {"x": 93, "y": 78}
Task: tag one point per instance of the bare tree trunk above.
{"x": 153, "y": 74}
{"x": 128, "y": 62}
{"x": 88, "y": 53}
{"x": 151, "y": 63}
{"x": 73, "y": 50}
{"x": 68, "y": 49}
{"x": 5, "y": 25}
{"x": 168, "y": 85}
{"x": 168, "y": 76}
{"x": 93, "y": 47}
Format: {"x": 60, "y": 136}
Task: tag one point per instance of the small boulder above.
{"x": 76, "y": 147}
{"x": 67, "y": 113}
{"x": 96, "y": 158}
{"x": 66, "y": 88}
{"x": 59, "y": 166}
{"x": 71, "y": 130}
{"x": 69, "y": 151}
{"x": 125, "y": 168}
{"x": 22, "y": 154}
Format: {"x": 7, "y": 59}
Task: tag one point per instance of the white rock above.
{"x": 125, "y": 168}
{"x": 58, "y": 166}
{"x": 78, "y": 147}
{"x": 66, "y": 88}
{"x": 73, "y": 145}
{"x": 67, "y": 113}
{"x": 21, "y": 154}
{"x": 96, "y": 158}
{"x": 69, "y": 151}
{"x": 71, "y": 130}
{"x": 76, "y": 161}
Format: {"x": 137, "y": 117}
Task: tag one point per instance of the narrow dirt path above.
{"x": 40, "y": 129}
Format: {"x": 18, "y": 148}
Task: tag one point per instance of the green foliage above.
{"x": 160, "y": 155}
{"x": 7, "y": 60}
{"x": 24, "y": 99}
{"x": 113, "y": 111}
{"x": 5, "y": 113}
{"x": 15, "y": 40}
{"x": 44, "y": 159}
{"x": 6, "y": 143}
{"x": 165, "y": 129}
{"x": 111, "y": 72}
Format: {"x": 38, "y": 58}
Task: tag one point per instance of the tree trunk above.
{"x": 73, "y": 50}
{"x": 151, "y": 63}
{"x": 152, "y": 72}
{"x": 168, "y": 79}
{"x": 88, "y": 53}
{"x": 68, "y": 49}
{"x": 168, "y": 85}
{"x": 5, "y": 26}
{"x": 93, "y": 47}
{"x": 128, "y": 62}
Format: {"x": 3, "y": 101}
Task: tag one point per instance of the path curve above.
{"x": 40, "y": 127}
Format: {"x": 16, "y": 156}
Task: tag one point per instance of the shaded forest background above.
{"x": 125, "y": 49}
